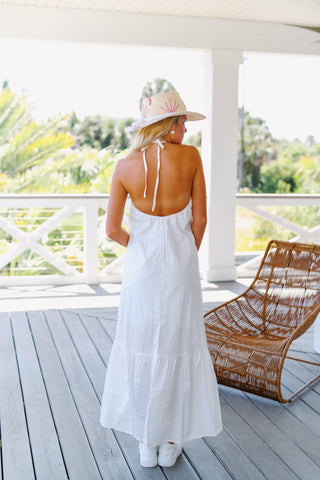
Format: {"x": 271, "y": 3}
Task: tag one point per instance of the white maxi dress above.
{"x": 160, "y": 383}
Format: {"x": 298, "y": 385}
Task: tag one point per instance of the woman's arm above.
{"x": 199, "y": 203}
{"x": 117, "y": 200}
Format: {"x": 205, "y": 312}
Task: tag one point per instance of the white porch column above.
{"x": 219, "y": 154}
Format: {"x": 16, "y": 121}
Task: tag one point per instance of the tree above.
{"x": 98, "y": 132}
{"x": 257, "y": 147}
{"x": 307, "y": 173}
{"x": 158, "y": 85}
{"x": 24, "y": 143}
{"x": 278, "y": 176}
{"x": 40, "y": 158}
{"x": 310, "y": 141}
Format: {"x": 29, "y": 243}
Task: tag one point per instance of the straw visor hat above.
{"x": 160, "y": 106}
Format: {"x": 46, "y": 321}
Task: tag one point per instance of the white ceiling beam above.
{"x": 155, "y": 30}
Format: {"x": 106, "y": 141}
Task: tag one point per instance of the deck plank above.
{"x": 86, "y": 350}
{"x": 292, "y": 426}
{"x": 283, "y": 447}
{"x": 74, "y": 443}
{"x": 98, "y": 335}
{"x": 104, "y": 448}
{"x": 307, "y": 415}
{"x": 109, "y": 326}
{"x": 234, "y": 457}
{"x": 15, "y": 448}
{"x": 313, "y": 369}
{"x": 69, "y": 351}
{"x": 305, "y": 372}
{"x": 46, "y": 453}
{"x": 204, "y": 461}
{"x": 293, "y": 382}
{"x": 259, "y": 452}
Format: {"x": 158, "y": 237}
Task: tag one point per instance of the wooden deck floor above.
{"x": 52, "y": 369}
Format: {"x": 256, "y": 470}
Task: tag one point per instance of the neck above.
{"x": 166, "y": 139}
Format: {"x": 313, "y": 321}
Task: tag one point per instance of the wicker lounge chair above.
{"x": 249, "y": 336}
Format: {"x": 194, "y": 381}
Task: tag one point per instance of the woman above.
{"x": 160, "y": 384}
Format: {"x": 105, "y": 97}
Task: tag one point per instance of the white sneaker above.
{"x": 148, "y": 456}
{"x": 168, "y": 454}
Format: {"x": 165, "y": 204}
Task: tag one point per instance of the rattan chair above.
{"x": 249, "y": 336}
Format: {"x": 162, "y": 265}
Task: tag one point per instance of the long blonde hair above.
{"x": 149, "y": 134}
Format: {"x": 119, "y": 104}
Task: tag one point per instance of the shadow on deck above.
{"x": 54, "y": 348}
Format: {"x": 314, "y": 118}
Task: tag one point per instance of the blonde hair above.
{"x": 152, "y": 132}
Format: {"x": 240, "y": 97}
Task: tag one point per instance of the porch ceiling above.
{"x": 294, "y": 12}
{"x": 249, "y": 25}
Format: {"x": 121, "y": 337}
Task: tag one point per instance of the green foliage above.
{"x": 43, "y": 158}
{"x": 276, "y": 166}
{"x": 292, "y": 151}
{"x": 278, "y": 176}
{"x": 24, "y": 143}
{"x": 77, "y": 171}
{"x": 257, "y": 147}
{"x": 296, "y": 170}
{"x": 98, "y": 132}
{"x": 307, "y": 174}
{"x": 158, "y": 85}
{"x": 14, "y": 114}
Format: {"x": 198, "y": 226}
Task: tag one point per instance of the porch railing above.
{"x": 62, "y": 233}
{"x": 255, "y": 203}
{"x": 65, "y": 236}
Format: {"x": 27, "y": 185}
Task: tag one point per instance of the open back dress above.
{"x": 160, "y": 383}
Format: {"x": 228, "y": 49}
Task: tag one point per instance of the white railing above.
{"x": 254, "y": 202}
{"x": 29, "y": 233}
{"x": 85, "y": 260}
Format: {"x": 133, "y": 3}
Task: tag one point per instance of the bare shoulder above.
{"x": 191, "y": 154}
{"x": 124, "y": 164}
{"x": 188, "y": 151}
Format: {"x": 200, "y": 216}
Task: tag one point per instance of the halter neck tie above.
{"x": 160, "y": 146}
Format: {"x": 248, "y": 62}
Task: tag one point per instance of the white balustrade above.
{"x": 23, "y": 240}
{"x": 89, "y": 206}
{"x": 253, "y": 202}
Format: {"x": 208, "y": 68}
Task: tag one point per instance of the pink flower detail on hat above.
{"x": 144, "y": 110}
{"x": 171, "y": 106}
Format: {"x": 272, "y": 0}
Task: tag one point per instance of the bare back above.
{"x": 180, "y": 177}
{"x": 179, "y": 164}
